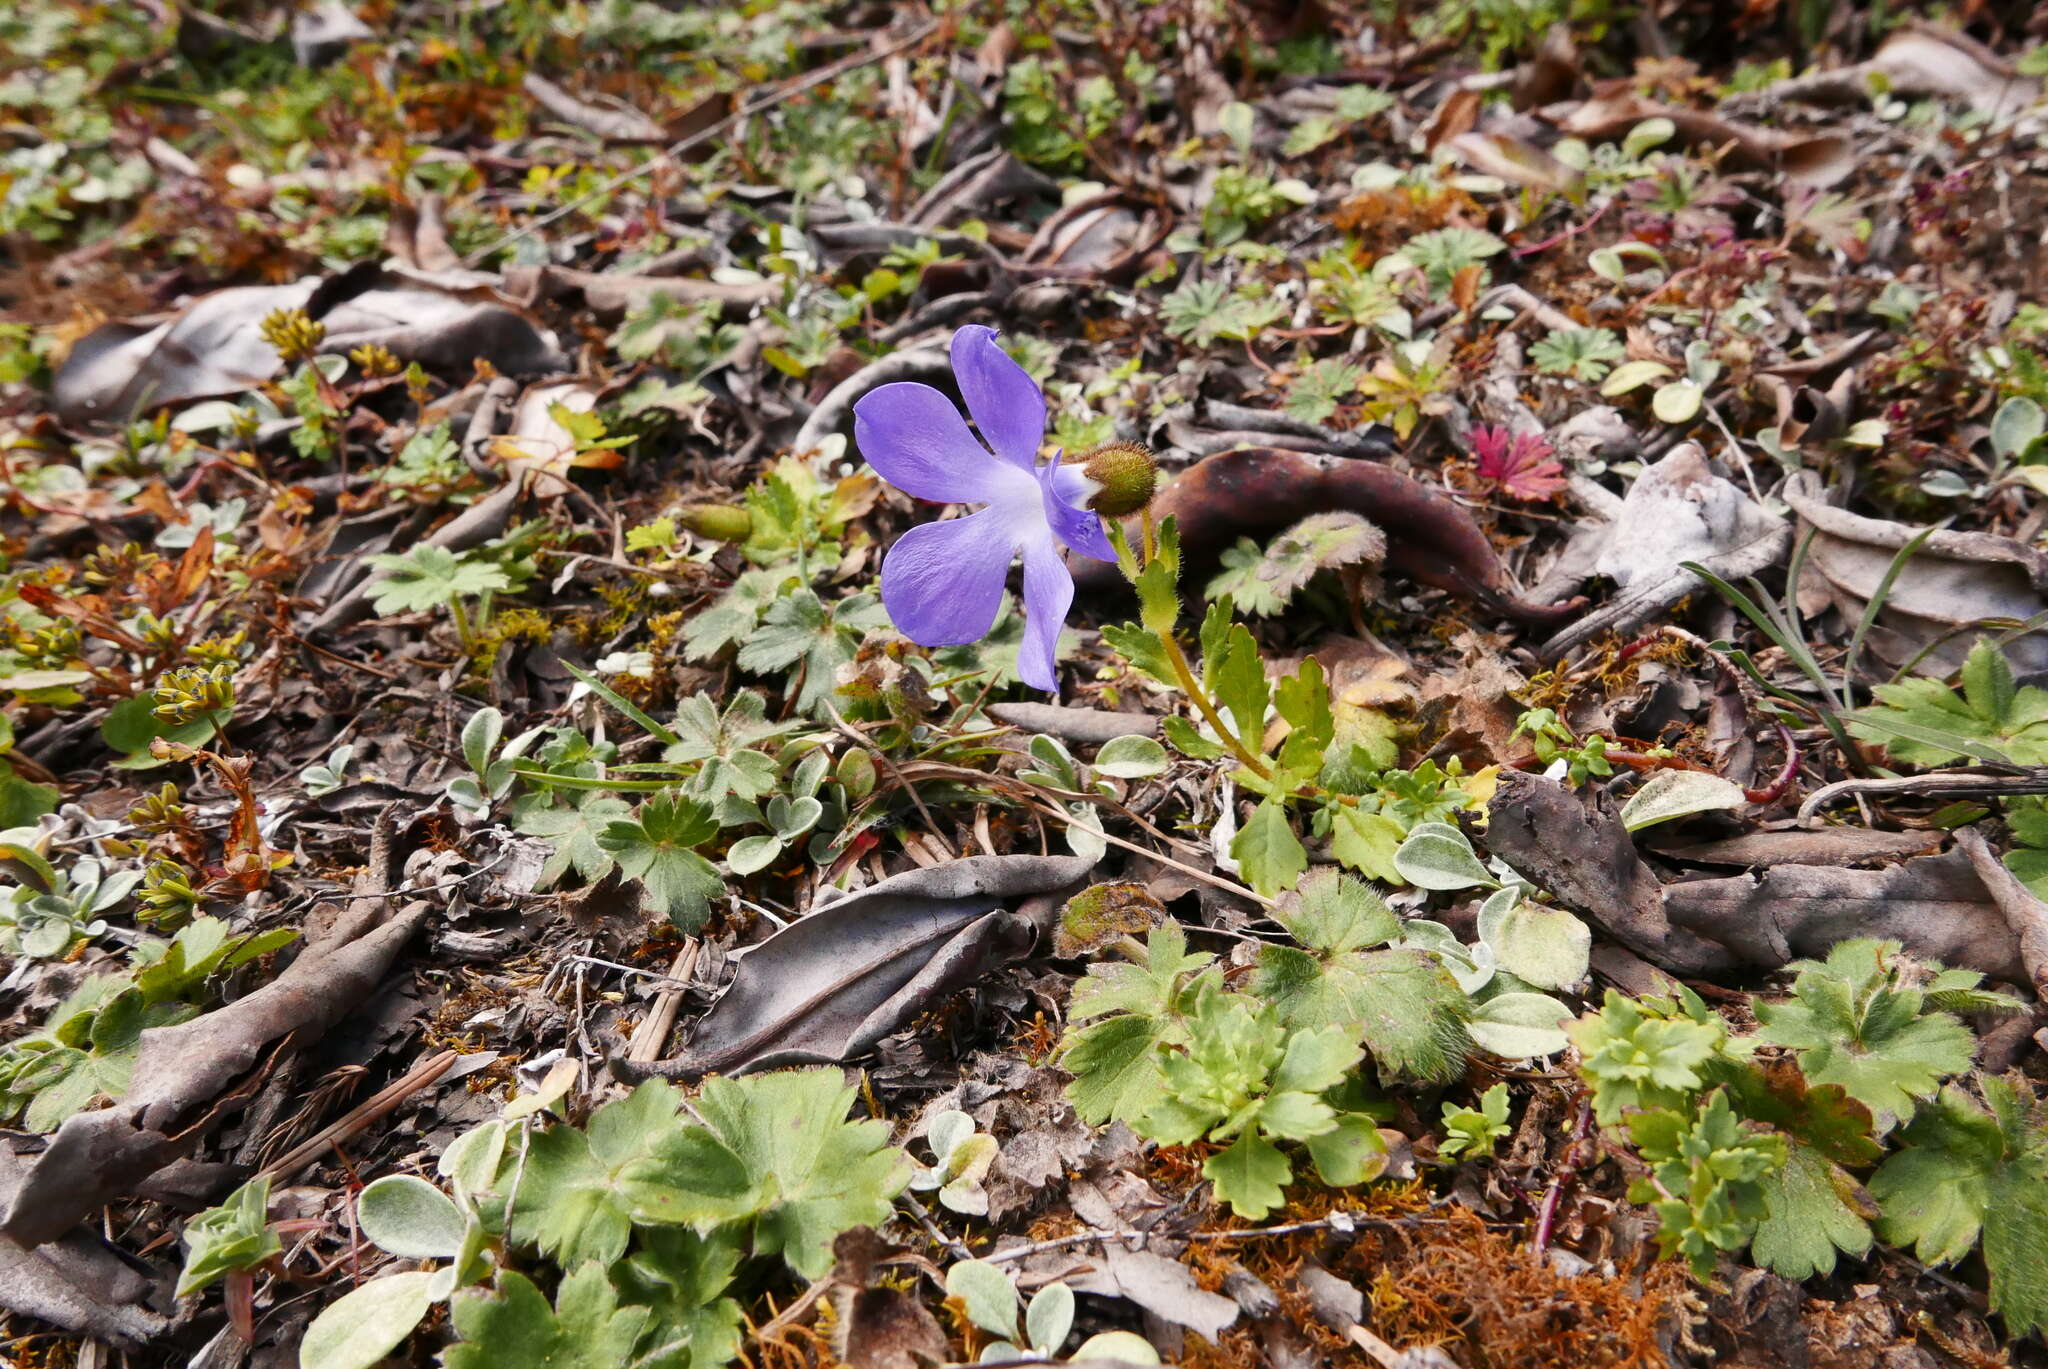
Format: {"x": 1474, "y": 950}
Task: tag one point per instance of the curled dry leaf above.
{"x": 829, "y": 986}
{"x": 1815, "y": 160}
{"x": 183, "y": 1070}
{"x": 1938, "y": 907}
{"x": 214, "y": 346}
{"x": 1918, "y": 61}
{"x": 1261, "y": 490}
{"x": 1677, "y": 511}
{"x": 1953, "y": 580}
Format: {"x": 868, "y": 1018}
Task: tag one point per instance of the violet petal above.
{"x": 916, "y": 438}
{"x": 943, "y": 582}
{"x": 1048, "y": 594}
{"x": 1079, "y": 528}
{"x": 1007, "y": 404}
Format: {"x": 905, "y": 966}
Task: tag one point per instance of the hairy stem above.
{"x": 1192, "y": 686}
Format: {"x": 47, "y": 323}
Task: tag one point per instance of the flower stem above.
{"x": 1192, "y": 687}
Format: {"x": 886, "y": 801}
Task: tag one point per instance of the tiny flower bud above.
{"x": 1123, "y": 476}
{"x": 719, "y": 522}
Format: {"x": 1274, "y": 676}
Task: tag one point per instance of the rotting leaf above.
{"x": 831, "y": 985}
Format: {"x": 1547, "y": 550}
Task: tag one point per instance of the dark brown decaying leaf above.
{"x": 1261, "y": 490}
{"x": 183, "y": 1070}
{"x": 879, "y": 1327}
{"x": 832, "y": 984}
{"x": 1936, "y": 906}
{"x": 1953, "y": 580}
{"x": 1582, "y": 854}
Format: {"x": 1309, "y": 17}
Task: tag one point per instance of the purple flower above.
{"x": 943, "y": 582}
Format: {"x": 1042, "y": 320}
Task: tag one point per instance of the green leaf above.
{"x": 570, "y": 1201}
{"x": 1436, "y": 855}
{"x": 1545, "y": 947}
{"x": 1963, "y": 1170}
{"x": 988, "y": 1295}
{"x": 1671, "y": 794}
{"x": 1518, "y": 1026}
{"x": 1924, "y": 722}
{"x": 360, "y": 1328}
{"x": 681, "y": 1277}
{"x": 1475, "y": 1131}
{"x": 1709, "y": 1169}
{"x": 1158, "y": 583}
{"x": 1857, "y": 1020}
{"x": 1403, "y": 1003}
{"x": 1250, "y": 1174}
{"x": 574, "y": 831}
{"x": 1131, "y": 758}
{"x": 236, "y": 1235}
{"x": 2016, "y": 427}
{"x": 1181, "y": 733}
{"x": 1267, "y": 850}
{"x": 1332, "y": 914}
{"x": 775, "y": 1148}
{"x": 1352, "y": 1152}
{"x": 407, "y": 1216}
{"x": 431, "y": 577}
{"x": 1115, "y": 1062}
{"x": 1988, "y": 685}
{"x": 131, "y": 725}
{"x": 1236, "y": 677}
{"x": 516, "y": 1329}
{"x": 1366, "y": 842}
{"x": 1638, "y": 1057}
{"x": 656, "y": 848}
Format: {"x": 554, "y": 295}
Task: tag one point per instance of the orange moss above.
{"x": 1488, "y": 1293}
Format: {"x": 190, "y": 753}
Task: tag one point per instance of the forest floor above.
{"x": 535, "y": 833}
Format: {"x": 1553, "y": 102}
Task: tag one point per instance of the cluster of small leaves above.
{"x": 1262, "y": 583}
{"x": 648, "y": 1213}
{"x": 1924, "y": 722}
{"x": 1179, "y": 1059}
{"x": 1740, "y": 1152}
{"x": 86, "y": 1049}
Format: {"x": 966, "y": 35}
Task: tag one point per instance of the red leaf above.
{"x": 1521, "y": 464}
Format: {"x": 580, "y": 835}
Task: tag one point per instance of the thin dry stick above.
{"x": 1054, "y": 811}
{"x": 1336, "y": 1221}
{"x": 860, "y": 739}
{"x": 385, "y": 1100}
{"x": 675, "y": 149}
{"x": 652, "y": 1034}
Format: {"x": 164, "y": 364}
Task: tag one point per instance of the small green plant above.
{"x": 86, "y": 1048}
{"x": 492, "y": 761}
{"x": 1924, "y": 722}
{"x": 1263, "y": 583}
{"x": 991, "y": 1302}
{"x": 1474, "y": 1132}
{"x": 1553, "y": 741}
{"x": 1179, "y": 1059}
{"x": 1862, "y": 1019}
{"x": 648, "y": 1213}
{"x": 234, "y": 1237}
{"x": 961, "y": 1157}
{"x": 1741, "y": 1150}
{"x": 430, "y": 577}
{"x": 1580, "y": 353}
{"x": 50, "y": 911}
